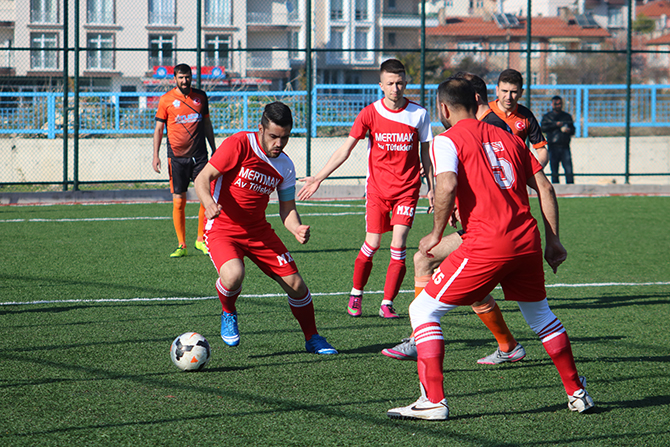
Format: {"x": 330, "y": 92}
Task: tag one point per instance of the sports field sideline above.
{"x": 90, "y": 303}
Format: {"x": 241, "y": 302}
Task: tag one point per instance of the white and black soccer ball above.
{"x": 190, "y": 351}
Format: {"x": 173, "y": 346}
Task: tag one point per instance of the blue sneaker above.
{"x": 318, "y": 345}
{"x": 229, "y": 332}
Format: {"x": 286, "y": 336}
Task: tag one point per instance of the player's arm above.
{"x": 445, "y": 199}
{"x": 339, "y": 156}
{"x": 554, "y": 252}
{"x": 209, "y": 133}
{"x": 429, "y": 173}
{"x": 158, "y": 138}
{"x": 291, "y": 219}
{"x": 202, "y": 188}
{"x": 542, "y": 155}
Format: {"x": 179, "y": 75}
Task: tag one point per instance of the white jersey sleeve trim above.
{"x": 444, "y": 155}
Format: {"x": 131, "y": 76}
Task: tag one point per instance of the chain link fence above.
{"x": 81, "y": 79}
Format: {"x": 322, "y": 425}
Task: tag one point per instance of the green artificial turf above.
{"x": 90, "y": 302}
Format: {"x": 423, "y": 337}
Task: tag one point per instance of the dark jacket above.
{"x": 553, "y": 132}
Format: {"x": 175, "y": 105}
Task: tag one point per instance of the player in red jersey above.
{"x": 485, "y": 172}
{"x": 235, "y": 187}
{"x": 509, "y": 350}
{"x": 519, "y": 118}
{"x": 399, "y": 144}
{"x": 185, "y": 112}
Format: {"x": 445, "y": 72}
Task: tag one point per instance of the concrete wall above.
{"x": 129, "y": 159}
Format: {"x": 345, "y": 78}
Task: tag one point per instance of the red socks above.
{"x": 557, "y": 344}
{"x": 430, "y": 350}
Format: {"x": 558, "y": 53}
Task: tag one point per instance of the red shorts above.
{"x": 381, "y": 214}
{"x": 463, "y": 281}
{"x": 262, "y": 246}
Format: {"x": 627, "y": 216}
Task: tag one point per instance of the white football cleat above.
{"x": 421, "y": 409}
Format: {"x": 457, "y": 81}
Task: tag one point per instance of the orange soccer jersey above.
{"x": 183, "y": 117}
{"x": 523, "y": 123}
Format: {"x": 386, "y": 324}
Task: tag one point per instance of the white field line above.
{"x": 121, "y": 219}
{"x": 271, "y": 295}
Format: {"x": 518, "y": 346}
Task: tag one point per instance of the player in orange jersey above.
{"x": 185, "y": 113}
{"x": 520, "y": 119}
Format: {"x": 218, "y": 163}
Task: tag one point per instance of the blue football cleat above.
{"x": 318, "y": 345}
{"x": 229, "y": 332}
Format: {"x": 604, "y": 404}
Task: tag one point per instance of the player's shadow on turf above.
{"x": 608, "y": 302}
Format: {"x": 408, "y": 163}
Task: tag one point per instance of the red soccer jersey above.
{"x": 393, "y": 146}
{"x": 492, "y": 168}
{"x": 183, "y": 117}
{"x": 523, "y": 123}
{"x": 249, "y": 177}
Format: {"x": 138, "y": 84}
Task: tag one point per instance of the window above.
{"x": 336, "y": 11}
{"x": 161, "y": 48}
{"x": 100, "y": 11}
{"x": 391, "y": 39}
{"x": 44, "y": 11}
{"x": 392, "y": 4}
{"x": 100, "y": 60}
{"x": 294, "y": 44}
{"x": 534, "y": 46}
{"x": 615, "y": 18}
{"x": 161, "y": 12}
{"x": 468, "y": 49}
{"x": 216, "y": 51}
{"x": 498, "y": 48}
{"x": 557, "y": 54}
{"x": 361, "y": 9}
{"x": 292, "y": 8}
{"x": 40, "y": 58}
{"x": 337, "y": 43}
{"x": 361, "y": 42}
{"x": 593, "y": 46}
{"x": 218, "y": 12}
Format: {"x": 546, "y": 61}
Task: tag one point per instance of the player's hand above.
{"x": 555, "y": 254}
{"x": 157, "y": 165}
{"x": 455, "y": 218}
{"x": 427, "y": 243}
{"x": 213, "y": 210}
{"x": 302, "y": 234}
{"x": 311, "y": 185}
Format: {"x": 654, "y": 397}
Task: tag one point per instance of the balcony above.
{"x": 405, "y": 20}
{"x": 269, "y": 18}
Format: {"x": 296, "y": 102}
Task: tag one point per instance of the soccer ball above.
{"x": 190, "y": 351}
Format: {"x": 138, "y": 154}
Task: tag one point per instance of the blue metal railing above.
{"x": 332, "y": 105}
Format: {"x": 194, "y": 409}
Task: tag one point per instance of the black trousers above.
{"x": 559, "y": 154}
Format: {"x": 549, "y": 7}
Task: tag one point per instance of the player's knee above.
{"x": 232, "y": 275}
{"x": 423, "y": 265}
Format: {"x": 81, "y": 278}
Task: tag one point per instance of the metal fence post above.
{"x": 75, "y": 178}
{"x": 308, "y": 88}
{"x": 66, "y": 88}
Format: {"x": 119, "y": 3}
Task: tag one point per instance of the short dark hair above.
{"x": 182, "y": 68}
{"x": 477, "y": 83}
{"x": 557, "y": 98}
{"x": 392, "y": 66}
{"x": 278, "y": 113}
{"x": 457, "y": 93}
{"x": 511, "y": 76}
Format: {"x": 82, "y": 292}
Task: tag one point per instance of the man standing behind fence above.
{"x": 559, "y": 127}
{"x": 185, "y": 112}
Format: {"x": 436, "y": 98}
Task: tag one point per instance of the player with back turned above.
{"x": 485, "y": 172}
